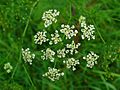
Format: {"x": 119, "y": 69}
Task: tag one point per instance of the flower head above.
{"x": 68, "y": 31}
{"x": 82, "y": 21}
{"x": 88, "y": 32}
{"x": 91, "y": 59}
{"x": 27, "y": 56}
{"x": 53, "y": 74}
{"x": 71, "y": 63}
{"x": 8, "y": 67}
{"x": 72, "y": 47}
{"x": 48, "y": 54}
{"x": 40, "y": 37}
{"x": 61, "y": 53}
{"x": 49, "y": 17}
{"x": 55, "y": 38}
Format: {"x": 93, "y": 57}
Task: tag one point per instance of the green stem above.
{"x": 28, "y": 75}
{"x": 54, "y": 64}
{"x": 102, "y": 72}
{"x": 27, "y": 23}
{"x": 14, "y": 71}
{"x": 70, "y": 10}
{"x": 16, "y": 66}
{"x": 99, "y": 32}
{"x": 116, "y": 19}
{"x": 104, "y": 81}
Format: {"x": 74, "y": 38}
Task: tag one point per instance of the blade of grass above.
{"x": 27, "y": 23}
{"x": 28, "y": 76}
{"x": 102, "y": 72}
{"x": 19, "y": 61}
{"x": 98, "y": 32}
{"x": 104, "y": 81}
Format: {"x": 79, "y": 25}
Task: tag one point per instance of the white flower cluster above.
{"x": 8, "y": 67}
{"x": 71, "y": 63}
{"x": 48, "y": 54}
{"x": 88, "y": 31}
{"x": 68, "y": 31}
{"x": 82, "y": 21}
{"x": 27, "y": 56}
{"x": 72, "y": 48}
{"x": 40, "y": 37}
{"x": 53, "y": 74}
{"x": 49, "y": 17}
{"x": 61, "y": 53}
{"x": 91, "y": 59}
{"x": 55, "y": 38}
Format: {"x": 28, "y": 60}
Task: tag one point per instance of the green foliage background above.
{"x": 21, "y": 19}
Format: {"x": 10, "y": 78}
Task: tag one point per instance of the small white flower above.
{"x": 40, "y": 37}
{"x": 53, "y": 74}
{"x": 55, "y": 38}
{"x": 27, "y": 56}
{"x": 68, "y": 31}
{"x": 61, "y": 53}
{"x": 67, "y": 51}
{"x": 8, "y": 67}
{"x": 49, "y": 17}
{"x": 48, "y": 54}
{"x": 91, "y": 59}
{"x": 71, "y": 63}
{"x": 72, "y": 47}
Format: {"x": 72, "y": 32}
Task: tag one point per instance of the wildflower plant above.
{"x": 69, "y": 50}
{"x": 63, "y": 35}
{"x": 59, "y": 44}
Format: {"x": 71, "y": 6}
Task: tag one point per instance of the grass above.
{"x": 21, "y": 19}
